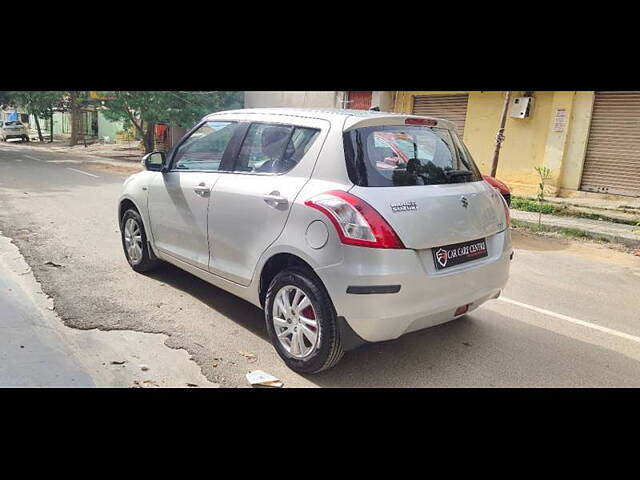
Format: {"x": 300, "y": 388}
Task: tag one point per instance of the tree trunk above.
{"x": 75, "y": 119}
{"x": 500, "y": 136}
{"x": 38, "y": 127}
{"x": 51, "y": 127}
{"x": 149, "y": 138}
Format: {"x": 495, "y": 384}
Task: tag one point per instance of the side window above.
{"x": 204, "y": 149}
{"x": 274, "y": 149}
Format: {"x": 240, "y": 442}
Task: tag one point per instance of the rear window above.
{"x": 399, "y": 155}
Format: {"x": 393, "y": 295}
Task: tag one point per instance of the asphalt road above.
{"x": 570, "y": 315}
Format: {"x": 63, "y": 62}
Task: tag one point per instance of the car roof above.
{"x": 350, "y": 118}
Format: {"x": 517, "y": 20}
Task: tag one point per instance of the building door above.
{"x": 612, "y": 161}
{"x": 359, "y": 100}
{"x": 448, "y": 107}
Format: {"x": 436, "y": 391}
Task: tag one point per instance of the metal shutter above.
{"x": 612, "y": 161}
{"x": 449, "y": 107}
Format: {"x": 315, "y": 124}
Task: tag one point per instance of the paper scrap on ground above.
{"x": 258, "y": 377}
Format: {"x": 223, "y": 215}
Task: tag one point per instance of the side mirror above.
{"x": 154, "y": 161}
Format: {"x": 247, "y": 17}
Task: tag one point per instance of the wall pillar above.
{"x": 576, "y": 144}
{"x": 559, "y": 125}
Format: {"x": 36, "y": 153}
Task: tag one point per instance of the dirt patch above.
{"x": 115, "y": 169}
{"x": 600, "y": 251}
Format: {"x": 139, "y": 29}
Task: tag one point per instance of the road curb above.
{"x": 586, "y": 233}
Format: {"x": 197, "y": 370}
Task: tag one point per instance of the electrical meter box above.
{"x": 522, "y": 107}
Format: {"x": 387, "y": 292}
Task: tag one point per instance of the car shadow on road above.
{"x": 240, "y": 311}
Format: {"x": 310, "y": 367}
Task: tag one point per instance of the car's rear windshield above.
{"x": 406, "y": 155}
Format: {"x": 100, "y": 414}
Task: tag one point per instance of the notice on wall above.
{"x": 560, "y": 121}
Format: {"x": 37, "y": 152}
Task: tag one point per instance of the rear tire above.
{"x": 134, "y": 242}
{"x": 306, "y": 357}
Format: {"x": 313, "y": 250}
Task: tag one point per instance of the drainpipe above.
{"x": 500, "y": 136}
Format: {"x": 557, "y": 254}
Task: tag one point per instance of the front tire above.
{"x": 302, "y": 322}
{"x": 134, "y": 242}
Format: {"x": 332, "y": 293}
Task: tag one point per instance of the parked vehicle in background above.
{"x": 14, "y": 129}
{"x": 502, "y": 187}
{"x": 314, "y": 217}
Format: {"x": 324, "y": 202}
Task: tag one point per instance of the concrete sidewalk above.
{"x": 615, "y": 232}
{"x": 32, "y": 352}
{"x": 122, "y": 153}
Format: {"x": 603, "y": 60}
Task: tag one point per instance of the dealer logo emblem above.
{"x": 443, "y": 257}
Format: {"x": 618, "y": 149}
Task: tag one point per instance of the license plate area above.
{"x": 448, "y": 256}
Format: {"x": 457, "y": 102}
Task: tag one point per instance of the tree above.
{"x": 39, "y": 104}
{"x": 4, "y": 99}
{"x": 142, "y": 110}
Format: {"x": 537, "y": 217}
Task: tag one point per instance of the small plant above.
{"x": 545, "y": 174}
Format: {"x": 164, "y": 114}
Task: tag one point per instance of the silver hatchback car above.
{"x": 344, "y": 226}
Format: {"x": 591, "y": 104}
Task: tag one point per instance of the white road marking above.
{"x": 84, "y": 173}
{"x": 567, "y": 318}
{"x": 32, "y": 158}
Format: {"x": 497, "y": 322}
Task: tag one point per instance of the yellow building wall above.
{"x": 529, "y": 142}
{"x": 525, "y": 139}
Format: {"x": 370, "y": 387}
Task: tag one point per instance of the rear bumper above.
{"x": 426, "y": 297}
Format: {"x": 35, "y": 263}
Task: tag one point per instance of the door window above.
{"x": 274, "y": 149}
{"x": 204, "y": 149}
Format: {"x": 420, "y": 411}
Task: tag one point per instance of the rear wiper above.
{"x": 454, "y": 174}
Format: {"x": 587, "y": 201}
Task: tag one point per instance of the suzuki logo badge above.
{"x": 464, "y": 201}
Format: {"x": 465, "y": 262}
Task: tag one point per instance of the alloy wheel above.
{"x": 295, "y": 322}
{"x": 133, "y": 240}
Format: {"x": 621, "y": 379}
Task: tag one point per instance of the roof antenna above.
{"x": 374, "y": 109}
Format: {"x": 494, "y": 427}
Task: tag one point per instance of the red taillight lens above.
{"x": 356, "y": 222}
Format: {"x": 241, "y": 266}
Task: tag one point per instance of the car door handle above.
{"x": 275, "y": 199}
{"x": 202, "y": 190}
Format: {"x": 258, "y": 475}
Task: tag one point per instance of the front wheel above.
{"x": 134, "y": 242}
{"x": 302, "y": 322}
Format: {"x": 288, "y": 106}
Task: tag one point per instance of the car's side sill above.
{"x": 238, "y": 290}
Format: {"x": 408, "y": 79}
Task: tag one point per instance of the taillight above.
{"x": 356, "y": 222}
{"x": 507, "y": 212}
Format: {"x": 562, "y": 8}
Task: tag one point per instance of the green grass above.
{"x": 531, "y": 205}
